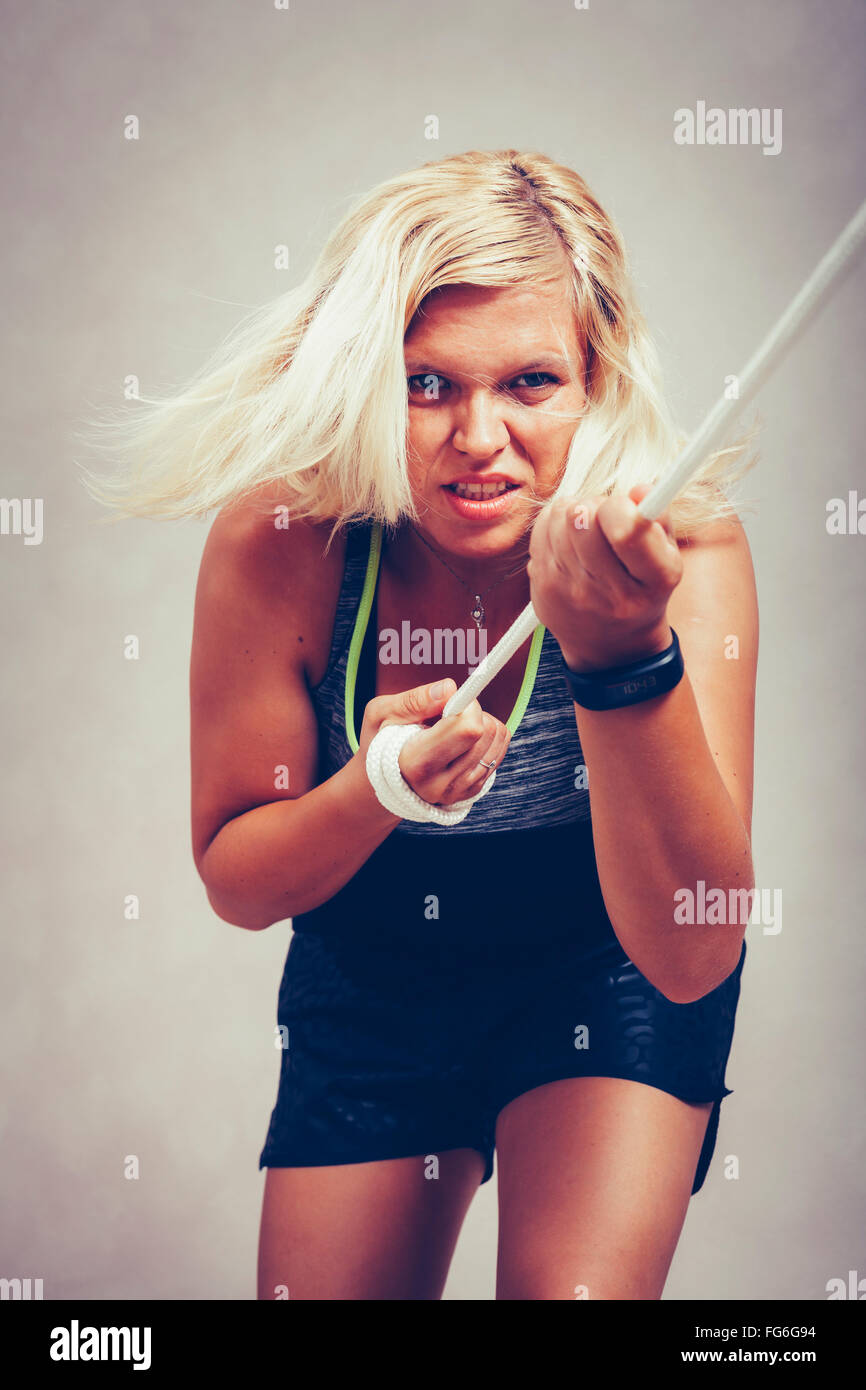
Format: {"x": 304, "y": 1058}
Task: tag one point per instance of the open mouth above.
{"x": 480, "y": 492}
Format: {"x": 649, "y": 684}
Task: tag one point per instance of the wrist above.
{"x": 627, "y": 683}
{"x": 362, "y": 797}
{"x": 640, "y": 647}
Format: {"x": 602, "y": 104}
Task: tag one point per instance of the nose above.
{"x": 480, "y": 429}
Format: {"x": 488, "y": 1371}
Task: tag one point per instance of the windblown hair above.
{"x": 308, "y": 393}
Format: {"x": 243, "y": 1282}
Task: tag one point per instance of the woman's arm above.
{"x": 670, "y": 779}
{"x": 268, "y": 841}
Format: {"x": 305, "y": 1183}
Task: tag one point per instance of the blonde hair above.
{"x": 308, "y": 393}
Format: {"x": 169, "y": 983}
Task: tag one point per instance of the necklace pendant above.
{"x": 478, "y": 612}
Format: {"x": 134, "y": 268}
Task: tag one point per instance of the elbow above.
{"x": 702, "y": 955}
{"x": 692, "y": 981}
{"x": 231, "y": 895}
{"x": 238, "y": 914}
{"x": 236, "y": 907}
{"x": 684, "y": 991}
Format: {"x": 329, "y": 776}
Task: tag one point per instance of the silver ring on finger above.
{"x": 482, "y": 763}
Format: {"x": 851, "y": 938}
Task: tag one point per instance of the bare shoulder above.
{"x": 263, "y": 570}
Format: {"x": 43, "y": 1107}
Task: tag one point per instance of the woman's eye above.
{"x": 534, "y": 380}
{"x": 427, "y": 384}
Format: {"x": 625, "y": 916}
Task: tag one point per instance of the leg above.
{"x": 364, "y": 1230}
{"x": 595, "y": 1175}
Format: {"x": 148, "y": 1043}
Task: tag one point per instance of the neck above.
{"x": 424, "y": 568}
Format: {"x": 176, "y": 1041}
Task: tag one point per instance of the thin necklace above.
{"x": 478, "y": 614}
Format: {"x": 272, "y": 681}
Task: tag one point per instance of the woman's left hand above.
{"x": 600, "y": 578}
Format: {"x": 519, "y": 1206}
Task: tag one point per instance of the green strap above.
{"x": 362, "y": 619}
{"x": 528, "y": 684}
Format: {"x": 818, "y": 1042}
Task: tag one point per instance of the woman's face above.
{"x": 495, "y": 379}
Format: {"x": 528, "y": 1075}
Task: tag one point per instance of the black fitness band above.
{"x": 619, "y": 686}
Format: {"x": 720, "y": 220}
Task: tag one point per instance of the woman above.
{"x": 456, "y": 413}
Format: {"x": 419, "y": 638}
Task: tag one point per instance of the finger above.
{"x": 411, "y": 706}
{"x": 639, "y": 492}
{"x": 461, "y": 770}
{"x": 469, "y": 773}
{"x": 643, "y": 548}
{"x": 496, "y": 753}
{"x": 575, "y": 535}
{"x": 435, "y": 749}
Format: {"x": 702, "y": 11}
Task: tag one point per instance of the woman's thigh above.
{"x": 381, "y": 1230}
{"x": 595, "y": 1176}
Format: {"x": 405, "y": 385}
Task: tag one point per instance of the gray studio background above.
{"x": 258, "y": 126}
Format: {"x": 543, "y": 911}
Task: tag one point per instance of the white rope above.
{"x": 724, "y": 413}
{"x": 814, "y": 293}
{"x": 394, "y": 792}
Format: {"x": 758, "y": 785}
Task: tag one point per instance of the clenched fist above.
{"x": 600, "y": 579}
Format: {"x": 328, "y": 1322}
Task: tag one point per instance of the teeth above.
{"x": 480, "y": 491}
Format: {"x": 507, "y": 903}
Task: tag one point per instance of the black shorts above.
{"x": 392, "y": 1054}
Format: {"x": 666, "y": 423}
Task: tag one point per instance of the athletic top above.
{"x": 521, "y": 860}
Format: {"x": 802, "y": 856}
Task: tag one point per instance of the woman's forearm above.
{"x": 663, "y": 819}
{"x": 288, "y": 857}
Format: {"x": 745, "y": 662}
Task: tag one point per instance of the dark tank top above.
{"x": 520, "y": 868}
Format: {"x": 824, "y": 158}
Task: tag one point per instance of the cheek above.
{"x": 550, "y": 440}
{"x": 548, "y": 465}
{"x": 423, "y": 441}
{"x": 547, "y": 448}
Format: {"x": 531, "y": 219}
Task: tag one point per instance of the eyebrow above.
{"x": 546, "y": 362}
